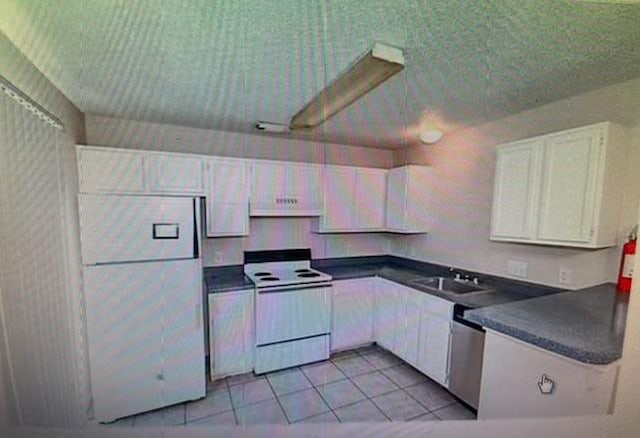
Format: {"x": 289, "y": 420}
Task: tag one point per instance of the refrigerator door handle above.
{"x": 166, "y": 231}
{"x": 196, "y": 212}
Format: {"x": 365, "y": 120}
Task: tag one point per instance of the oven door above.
{"x": 290, "y": 313}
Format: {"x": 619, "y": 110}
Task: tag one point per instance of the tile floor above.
{"x": 366, "y": 384}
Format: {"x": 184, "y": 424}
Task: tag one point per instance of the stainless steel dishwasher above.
{"x": 467, "y": 348}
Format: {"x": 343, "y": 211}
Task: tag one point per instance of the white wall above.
{"x": 43, "y": 352}
{"x": 266, "y": 233}
{"x": 463, "y": 166}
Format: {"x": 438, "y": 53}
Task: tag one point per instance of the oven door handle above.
{"x": 277, "y": 289}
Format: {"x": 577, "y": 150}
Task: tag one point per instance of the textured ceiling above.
{"x": 226, "y": 64}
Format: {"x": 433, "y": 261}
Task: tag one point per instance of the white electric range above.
{"x": 292, "y": 308}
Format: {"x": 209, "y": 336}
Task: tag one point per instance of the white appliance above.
{"x": 143, "y": 298}
{"x": 284, "y": 189}
{"x": 293, "y": 309}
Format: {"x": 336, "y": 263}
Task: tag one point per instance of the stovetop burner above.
{"x": 309, "y": 274}
{"x": 269, "y": 279}
{"x": 262, "y": 274}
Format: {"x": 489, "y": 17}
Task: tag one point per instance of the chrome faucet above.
{"x": 463, "y": 278}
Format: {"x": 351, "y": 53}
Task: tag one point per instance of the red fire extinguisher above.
{"x": 626, "y": 264}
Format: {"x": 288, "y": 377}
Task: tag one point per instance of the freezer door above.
{"x": 116, "y": 229}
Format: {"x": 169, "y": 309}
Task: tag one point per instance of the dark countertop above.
{"x": 405, "y": 271}
{"x": 400, "y": 270}
{"x": 586, "y": 325}
{"x": 226, "y": 279}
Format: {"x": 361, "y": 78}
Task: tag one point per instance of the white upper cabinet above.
{"x": 370, "y": 198}
{"x": 175, "y": 173}
{"x": 354, "y": 199}
{"x": 407, "y": 199}
{"x": 122, "y": 171}
{"x": 569, "y": 186}
{"x": 338, "y": 200}
{"x": 227, "y": 197}
{"x": 106, "y": 170}
{"x": 286, "y": 189}
{"x": 561, "y": 189}
{"x": 515, "y": 192}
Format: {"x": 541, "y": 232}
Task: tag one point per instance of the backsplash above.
{"x": 281, "y": 233}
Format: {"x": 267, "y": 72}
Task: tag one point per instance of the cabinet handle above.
{"x": 160, "y": 377}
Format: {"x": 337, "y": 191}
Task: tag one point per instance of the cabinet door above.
{"x": 183, "y": 333}
{"x": 433, "y": 354}
{"x": 305, "y": 181}
{"x": 339, "y": 198}
{"x": 396, "y": 199}
{"x": 110, "y": 171}
{"x": 353, "y": 309}
{"x": 370, "y": 199}
{"x": 268, "y": 181}
{"x": 175, "y": 174}
{"x": 515, "y": 190}
{"x": 512, "y": 370}
{"x": 227, "y": 199}
{"x": 230, "y": 322}
{"x": 413, "y": 312}
{"x": 571, "y": 162}
{"x": 124, "y": 329}
{"x": 389, "y": 318}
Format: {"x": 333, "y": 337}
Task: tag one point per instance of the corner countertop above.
{"x": 400, "y": 270}
{"x": 586, "y": 325}
{"x": 405, "y": 271}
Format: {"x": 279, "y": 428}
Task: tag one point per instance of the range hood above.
{"x": 285, "y": 206}
{"x": 286, "y": 189}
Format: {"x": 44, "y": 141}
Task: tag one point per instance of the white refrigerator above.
{"x": 143, "y": 299}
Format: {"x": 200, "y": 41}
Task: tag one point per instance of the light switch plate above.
{"x": 217, "y": 255}
{"x": 517, "y": 269}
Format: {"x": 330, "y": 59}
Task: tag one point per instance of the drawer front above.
{"x": 514, "y": 385}
{"x": 288, "y": 354}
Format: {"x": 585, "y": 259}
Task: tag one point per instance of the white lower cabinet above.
{"x": 435, "y": 342}
{"x": 389, "y": 315}
{"x": 520, "y": 380}
{"x": 231, "y": 336}
{"x": 415, "y": 326}
{"x": 353, "y": 312}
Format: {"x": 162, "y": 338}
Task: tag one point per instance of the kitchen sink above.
{"x": 444, "y": 284}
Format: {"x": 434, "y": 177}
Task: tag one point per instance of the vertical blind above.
{"x": 41, "y": 361}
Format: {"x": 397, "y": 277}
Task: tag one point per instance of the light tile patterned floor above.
{"x": 366, "y": 385}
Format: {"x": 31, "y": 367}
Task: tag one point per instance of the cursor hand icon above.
{"x": 546, "y": 385}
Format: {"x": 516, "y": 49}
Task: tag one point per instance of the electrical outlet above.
{"x": 217, "y": 255}
{"x": 565, "y": 276}
{"x": 517, "y": 269}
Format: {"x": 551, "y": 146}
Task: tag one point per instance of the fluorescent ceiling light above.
{"x": 371, "y": 70}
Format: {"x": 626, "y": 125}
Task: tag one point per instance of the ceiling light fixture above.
{"x": 368, "y": 72}
{"x": 430, "y": 136}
